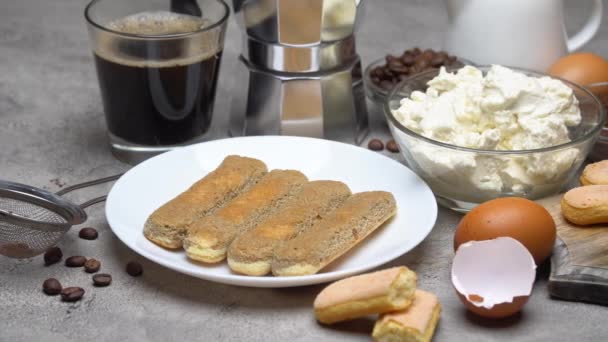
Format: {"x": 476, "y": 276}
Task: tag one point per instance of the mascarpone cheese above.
{"x": 503, "y": 110}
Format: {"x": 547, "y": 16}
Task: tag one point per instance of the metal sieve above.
{"x": 33, "y": 219}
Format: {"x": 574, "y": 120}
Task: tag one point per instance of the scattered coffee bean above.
{"x": 75, "y": 261}
{"x": 411, "y": 62}
{"x": 392, "y": 146}
{"x": 88, "y": 233}
{"x": 52, "y": 255}
{"x": 92, "y": 266}
{"x": 375, "y": 145}
{"x": 134, "y": 269}
{"x": 72, "y": 294}
{"x": 102, "y": 279}
{"x": 51, "y": 287}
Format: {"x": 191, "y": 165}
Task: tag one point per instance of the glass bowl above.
{"x": 461, "y": 178}
{"x": 376, "y": 95}
{"x": 600, "y": 150}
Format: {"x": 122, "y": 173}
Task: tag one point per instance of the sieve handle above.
{"x": 86, "y": 185}
{"x": 93, "y": 201}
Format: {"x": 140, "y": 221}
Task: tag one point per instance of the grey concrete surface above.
{"x": 52, "y": 132}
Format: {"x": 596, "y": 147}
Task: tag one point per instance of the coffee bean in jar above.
{"x": 409, "y": 63}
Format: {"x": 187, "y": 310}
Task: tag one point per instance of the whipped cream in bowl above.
{"x": 474, "y": 134}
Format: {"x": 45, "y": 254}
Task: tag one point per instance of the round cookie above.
{"x": 595, "y": 174}
{"x": 586, "y": 205}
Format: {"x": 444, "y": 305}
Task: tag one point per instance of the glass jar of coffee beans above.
{"x": 382, "y": 75}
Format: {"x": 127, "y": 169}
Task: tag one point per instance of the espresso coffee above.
{"x": 157, "y": 94}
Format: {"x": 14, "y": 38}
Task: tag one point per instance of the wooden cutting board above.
{"x": 579, "y": 265}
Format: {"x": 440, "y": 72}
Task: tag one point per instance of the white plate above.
{"x": 150, "y": 184}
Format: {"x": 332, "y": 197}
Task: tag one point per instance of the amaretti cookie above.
{"x": 251, "y": 252}
{"x": 595, "y": 174}
{"x": 334, "y": 235}
{"x": 208, "y": 239}
{"x": 586, "y": 205}
{"x": 373, "y": 293}
{"x": 414, "y": 324}
{"x": 167, "y": 225}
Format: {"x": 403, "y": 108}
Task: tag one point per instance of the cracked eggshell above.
{"x": 493, "y": 278}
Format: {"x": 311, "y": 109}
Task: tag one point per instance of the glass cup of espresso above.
{"x": 157, "y": 64}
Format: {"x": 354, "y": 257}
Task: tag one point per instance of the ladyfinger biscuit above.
{"x": 586, "y": 205}
{"x": 167, "y": 225}
{"x": 251, "y": 252}
{"x": 208, "y": 239}
{"x": 334, "y": 235}
{"x": 373, "y": 293}
{"x": 416, "y": 323}
{"x": 595, "y": 174}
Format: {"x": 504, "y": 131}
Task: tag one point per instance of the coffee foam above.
{"x": 157, "y": 23}
{"x": 193, "y": 49}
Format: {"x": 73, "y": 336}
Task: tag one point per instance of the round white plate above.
{"x": 150, "y": 184}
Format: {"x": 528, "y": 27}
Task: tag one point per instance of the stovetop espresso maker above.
{"x": 299, "y": 72}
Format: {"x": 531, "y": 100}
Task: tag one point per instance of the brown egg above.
{"x": 582, "y": 68}
{"x": 519, "y": 218}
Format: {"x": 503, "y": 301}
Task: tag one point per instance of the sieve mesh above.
{"x": 24, "y": 240}
{"x": 30, "y": 211}
{"x": 33, "y": 219}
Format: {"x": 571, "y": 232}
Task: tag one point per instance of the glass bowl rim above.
{"x": 589, "y": 87}
{"x": 223, "y": 19}
{"x": 596, "y": 84}
{"x": 484, "y": 68}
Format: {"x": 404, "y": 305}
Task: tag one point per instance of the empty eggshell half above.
{"x": 493, "y": 278}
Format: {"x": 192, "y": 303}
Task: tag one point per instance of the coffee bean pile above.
{"x": 53, "y": 255}
{"x": 378, "y": 145}
{"x": 410, "y": 63}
